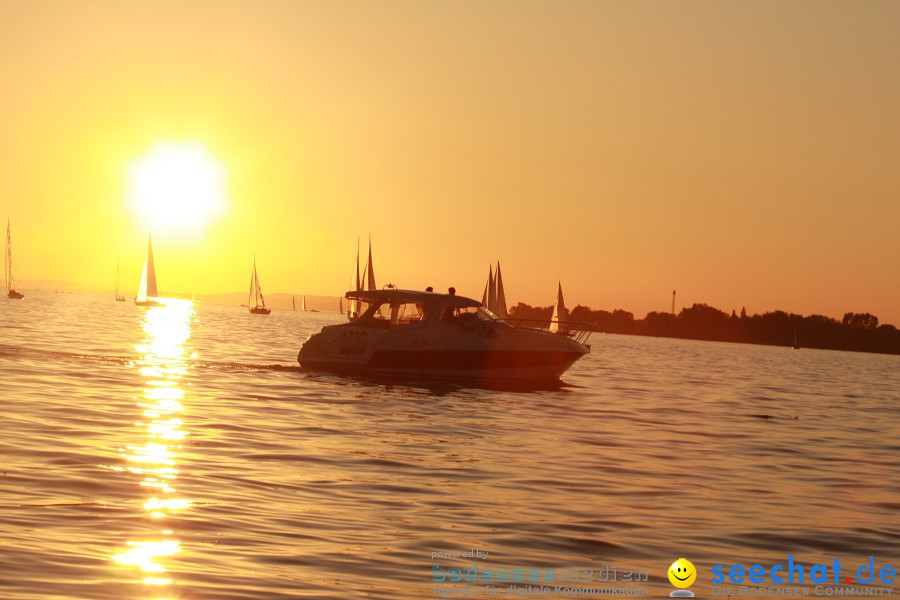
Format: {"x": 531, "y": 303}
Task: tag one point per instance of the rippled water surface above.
{"x": 179, "y": 452}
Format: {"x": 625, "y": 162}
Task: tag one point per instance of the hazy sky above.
{"x": 743, "y": 153}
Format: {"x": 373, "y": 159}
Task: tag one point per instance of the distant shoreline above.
{"x": 857, "y": 332}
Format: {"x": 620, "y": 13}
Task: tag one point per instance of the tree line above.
{"x": 856, "y": 331}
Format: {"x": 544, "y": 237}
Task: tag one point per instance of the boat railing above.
{"x": 580, "y": 331}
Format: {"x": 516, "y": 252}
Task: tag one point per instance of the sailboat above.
{"x": 796, "y": 342}
{"x": 119, "y": 296}
{"x": 147, "y": 293}
{"x": 494, "y": 297}
{"x": 11, "y": 292}
{"x": 557, "y": 321}
{"x": 353, "y": 309}
{"x": 294, "y": 302}
{"x": 256, "y": 301}
{"x": 303, "y": 304}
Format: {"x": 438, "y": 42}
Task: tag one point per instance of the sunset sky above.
{"x": 743, "y": 153}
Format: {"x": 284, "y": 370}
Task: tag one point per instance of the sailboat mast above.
{"x": 251, "y": 299}
{"x": 7, "y": 260}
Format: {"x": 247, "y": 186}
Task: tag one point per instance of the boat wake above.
{"x": 18, "y": 352}
{"x": 436, "y": 384}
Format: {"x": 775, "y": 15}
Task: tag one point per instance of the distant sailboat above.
{"x": 119, "y": 296}
{"x": 369, "y": 275}
{"x": 11, "y": 292}
{"x": 500, "y": 308}
{"x": 370, "y": 270}
{"x": 796, "y": 343}
{"x": 307, "y": 309}
{"x": 494, "y": 297}
{"x": 357, "y": 283}
{"x": 341, "y": 304}
{"x": 294, "y": 302}
{"x": 557, "y": 321}
{"x": 256, "y": 301}
{"x": 147, "y": 294}
{"x": 489, "y": 295}
{"x": 303, "y": 303}
{"x": 354, "y": 306}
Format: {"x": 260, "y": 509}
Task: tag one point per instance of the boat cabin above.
{"x": 392, "y": 308}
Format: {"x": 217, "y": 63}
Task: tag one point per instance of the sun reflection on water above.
{"x": 162, "y": 364}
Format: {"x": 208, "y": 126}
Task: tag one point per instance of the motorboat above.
{"x": 427, "y": 334}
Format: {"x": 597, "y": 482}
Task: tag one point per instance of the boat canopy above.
{"x": 394, "y": 295}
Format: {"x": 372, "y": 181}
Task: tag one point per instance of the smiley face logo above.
{"x": 682, "y": 573}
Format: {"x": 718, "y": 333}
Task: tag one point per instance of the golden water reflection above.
{"x": 162, "y": 363}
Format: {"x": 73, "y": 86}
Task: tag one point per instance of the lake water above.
{"x": 180, "y": 453}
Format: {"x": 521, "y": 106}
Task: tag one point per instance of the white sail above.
{"x": 147, "y": 286}
{"x": 500, "y": 303}
{"x": 151, "y": 271}
{"x": 142, "y": 286}
{"x": 559, "y": 312}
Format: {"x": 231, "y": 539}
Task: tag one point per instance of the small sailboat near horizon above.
{"x": 11, "y": 292}
{"x": 557, "y": 321}
{"x": 147, "y": 292}
{"x": 304, "y": 306}
{"x": 256, "y": 301}
{"x": 119, "y": 296}
{"x": 294, "y": 302}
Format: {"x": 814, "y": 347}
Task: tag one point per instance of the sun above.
{"x": 176, "y": 187}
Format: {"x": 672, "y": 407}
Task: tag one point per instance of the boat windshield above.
{"x": 467, "y": 314}
{"x": 394, "y": 313}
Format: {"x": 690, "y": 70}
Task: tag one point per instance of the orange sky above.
{"x": 742, "y": 153}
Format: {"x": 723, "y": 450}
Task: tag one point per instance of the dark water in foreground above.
{"x": 179, "y": 452}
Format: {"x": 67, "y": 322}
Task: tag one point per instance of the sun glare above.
{"x": 176, "y": 187}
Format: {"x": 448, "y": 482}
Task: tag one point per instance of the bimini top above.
{"x": 395, "y": 295}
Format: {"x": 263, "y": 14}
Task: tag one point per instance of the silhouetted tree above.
{"x": 860, "y": 320}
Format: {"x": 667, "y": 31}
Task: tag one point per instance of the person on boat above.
{"x": 449, "y": 315}
{"x": 452, "y": 291}
{"x": 429, "y": 289}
